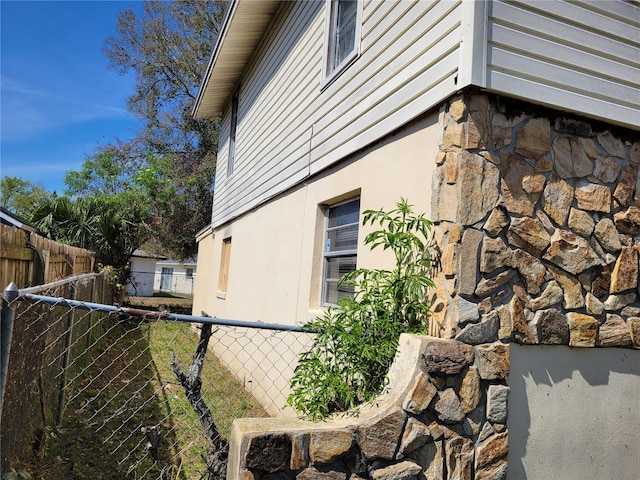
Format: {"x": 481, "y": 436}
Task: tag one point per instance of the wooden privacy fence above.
{"x": 28, "y": 259}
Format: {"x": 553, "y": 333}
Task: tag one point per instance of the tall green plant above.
{"x": 356, "y": 342}
{"x": 112, "y": 227}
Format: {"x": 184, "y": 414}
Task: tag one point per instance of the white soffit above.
{"x": 243, "y": 28}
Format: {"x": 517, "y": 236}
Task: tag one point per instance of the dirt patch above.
{"x": 173, "y": 304}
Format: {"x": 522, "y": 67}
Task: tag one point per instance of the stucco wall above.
{"x": 573, "y": 413}
{"x": 276, "y": 249}
{"x": 274, "y": 273}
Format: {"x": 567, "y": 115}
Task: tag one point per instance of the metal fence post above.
{"x": 65, "y": 357}
{"x": 90, "y": 329}
{"x": 6, "y": 332}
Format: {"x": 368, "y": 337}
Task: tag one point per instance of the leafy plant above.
{"x": 21, "y": 196}
{"x": 112, "y": 227}
{"x": 356, "y": 342}
{"x": 19, "y": 474}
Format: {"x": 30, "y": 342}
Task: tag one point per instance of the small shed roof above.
{"x": 142, "y": 254}
{"x": 8, "y": 218}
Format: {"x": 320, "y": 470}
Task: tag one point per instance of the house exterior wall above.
{"x": 537, "y": 216}
{"x": 579, "y": 56}
{"x": 504, "y": 177}
{"x": 571, "y": 413}
{"x": 276, "y": 250}
{"x": 556, "y": 329}
{"x": 290, "y": 127}
{"x": 576, "y": 56}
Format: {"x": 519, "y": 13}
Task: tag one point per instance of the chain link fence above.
{"x": 92, "y": 391}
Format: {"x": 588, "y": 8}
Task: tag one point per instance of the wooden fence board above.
{"x": 17, "y": 252}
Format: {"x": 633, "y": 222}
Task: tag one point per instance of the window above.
{"x": 189, "y": 273}
{"x": 340, "y": 249}
{"x": 232, "y": 134}
{"x": 343, "y": 34}
{"x": 224, "y": 265}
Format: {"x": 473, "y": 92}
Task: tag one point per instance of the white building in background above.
{"x": 143, "y": 269}
{"x": 175, "y": 276}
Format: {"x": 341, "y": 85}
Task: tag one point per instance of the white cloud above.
{"x": 29, "y": 111}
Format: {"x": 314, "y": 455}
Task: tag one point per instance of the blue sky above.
{"x": 59, "y": 101}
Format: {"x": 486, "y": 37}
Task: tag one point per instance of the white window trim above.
{"x": 340, "y": 253}
{"x": 328, "y": 76}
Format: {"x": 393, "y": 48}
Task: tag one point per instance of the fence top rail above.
{"x": 24, "y": 295}
{"x": 58, "y": 283}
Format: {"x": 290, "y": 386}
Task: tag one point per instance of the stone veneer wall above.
{"x": 444, "y": 417}
{"x": 537, "y": 221}
{"x": 538, "y": 224}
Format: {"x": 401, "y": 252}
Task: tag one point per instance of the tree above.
{"x": 168, "y": 49}
{"x": 177, "y": 196}
{"x": 21, "y": 196}
{"x": 110, "y": 170}
{"x": 172, "y": 159}
{"x": 113, "y": 229}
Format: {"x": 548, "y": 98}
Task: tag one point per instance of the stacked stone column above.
{"x": 538, "y": 225}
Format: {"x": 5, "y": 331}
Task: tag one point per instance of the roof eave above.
{"x": 243, "y": 27}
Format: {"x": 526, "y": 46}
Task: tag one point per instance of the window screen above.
{"x": 340, "y": 249}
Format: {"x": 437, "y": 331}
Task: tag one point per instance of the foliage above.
{"x": 19, "y": 474}
{"x": 108, "y": 171}
{"x": 172, "y": 159}
{"x": 176, "y": 196}
{"x": 21, "y": 196}
{"x": 356, "y": 342}
{"x": 110, "y": 227}
{"x": 168, "y": 48}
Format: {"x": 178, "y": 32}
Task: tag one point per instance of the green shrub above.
{"x": 356, "y": 342}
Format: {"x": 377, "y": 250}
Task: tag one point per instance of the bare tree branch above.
{"x": 192, "y": 384}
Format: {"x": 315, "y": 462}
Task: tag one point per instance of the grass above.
{"x": 163, "y": 294}
{"x": 223, "y": 394}
{"x": 129, "y": 384}
{"x": 177, "y": 303}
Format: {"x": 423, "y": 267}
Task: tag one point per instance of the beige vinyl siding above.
{"x": 289, "y": 127}
{"x": 579, "y": 56}
{"x": 273, "y": 135}
{"x": 386, "y": 90}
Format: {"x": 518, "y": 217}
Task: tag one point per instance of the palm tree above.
{"x": 110, "y": 227}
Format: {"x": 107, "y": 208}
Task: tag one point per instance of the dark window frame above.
{"x": 339, "y": 254}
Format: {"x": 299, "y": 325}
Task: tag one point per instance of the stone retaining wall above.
{"x": 444, "y": 417}
{"x": 538, "y": 224}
